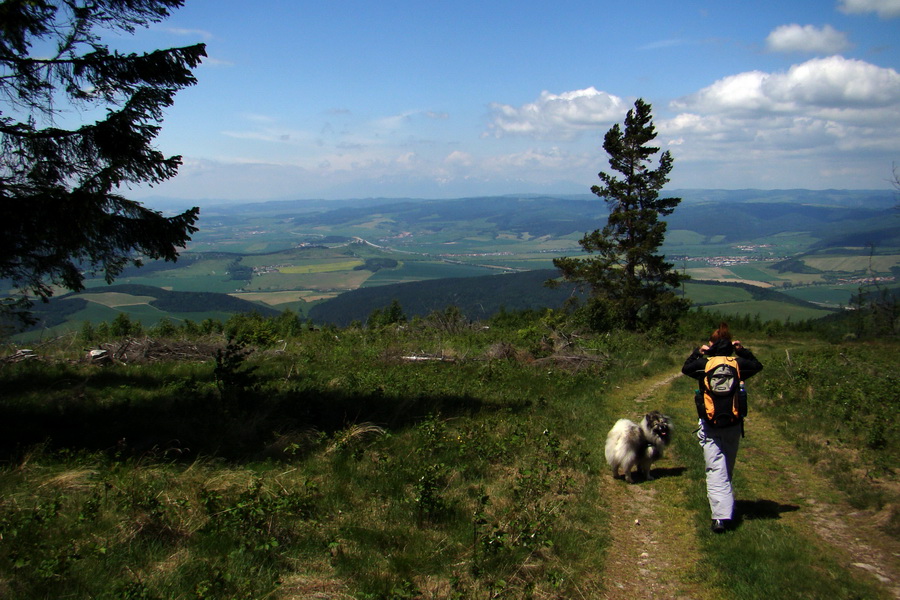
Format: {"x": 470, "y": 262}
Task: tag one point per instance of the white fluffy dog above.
{"x": 630, "y": 445}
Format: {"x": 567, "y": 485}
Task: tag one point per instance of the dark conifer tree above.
{"x": 632, "y": 286}
{"x": 77, "y": 122}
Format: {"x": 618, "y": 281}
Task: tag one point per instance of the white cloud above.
{"x": 886, "y": 9}
{"x": 459, "y": 158}
{"x": 816, "y": 114}
{"x": 820, "y": 85}
{"x": 180, "y": 31}
{"x": 663, "y": 44}
{"x": 557, "y": 116}
{"x": 807, "y": 38}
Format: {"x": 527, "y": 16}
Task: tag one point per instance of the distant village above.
{"x": 755, "y": 253}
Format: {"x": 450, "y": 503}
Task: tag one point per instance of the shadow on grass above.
{"x": 189, "y": 422}
{"x": 668, "y": 472}
{"x": 638, "y": 476}
{"x": 751, "y": 510}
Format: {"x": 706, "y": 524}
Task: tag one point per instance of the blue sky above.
{"x": 338, "y": 99}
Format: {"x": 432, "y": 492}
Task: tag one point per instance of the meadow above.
{"x": 428, "y": 459}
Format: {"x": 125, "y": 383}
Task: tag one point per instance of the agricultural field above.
{"x": 292, "y": 255}
{"x": 769, "y": 310}
{"x": 854, "y": 263}
{"x": 827, "y": 295}
{"x": 420, "y": 270}
{"x": 705, "y": 295}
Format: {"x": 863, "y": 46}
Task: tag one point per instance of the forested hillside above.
{"x": 479, "y": 298}
{"x": 476, "y": 298}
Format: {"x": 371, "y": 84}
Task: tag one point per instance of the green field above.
{"x": 829, "y": 295}
{"x": 755, "y": 273}
{"x": 326, "y": 280}
{"x": 418, "y": 270}
{"x": 769, "y": 310}
{"x": 708, "y": 294}
{"x": 321, "y": 267}
{"x": 199, "y": 283}
{"x": 854, "y": 264}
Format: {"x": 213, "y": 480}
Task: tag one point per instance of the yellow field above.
{"x": 716, "y": 273}
{"x": 881, "y": 264}
{"x": 114, "y": 299}
{"x": 723, "y": 275}
{"x": 276, "y": 299}
{"x": 323, "y": 281}
{"x": 321, "y": 267}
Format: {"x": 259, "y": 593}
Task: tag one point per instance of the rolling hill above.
{"x": 336, "y": 261}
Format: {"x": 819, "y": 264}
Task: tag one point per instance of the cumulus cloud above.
{"x": 886, "y": 9}
{"x": 820, "y": 112}
{"x": 459, "y": 158}
{"x": 818, "y": 85}
{"x": 557, "y": 116}
{"x": 807, "y": 38}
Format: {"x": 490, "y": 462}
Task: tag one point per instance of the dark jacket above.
{"x": 695, "y": 365}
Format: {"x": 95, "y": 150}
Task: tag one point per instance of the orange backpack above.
{"x": 722, "y": 401}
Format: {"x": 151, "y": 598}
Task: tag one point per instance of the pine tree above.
{"x": 62, "y": 208}
{"x": 631, "y": 285}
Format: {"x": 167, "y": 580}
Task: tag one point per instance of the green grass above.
{"x": 474, "y": 470}
{"x": 333, "y": 464}
{"x": 850, "y": 392}
{"x": 764, "y": 555}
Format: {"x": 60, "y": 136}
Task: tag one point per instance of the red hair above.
{"x": 721, "y": 333}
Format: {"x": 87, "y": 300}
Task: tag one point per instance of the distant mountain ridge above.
{"x": 738, "y": 215}
{"x": 872, "y": 198}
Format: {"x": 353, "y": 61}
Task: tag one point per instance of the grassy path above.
{"x": 796, "y": 537}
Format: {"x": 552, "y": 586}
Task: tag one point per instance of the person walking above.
{"x": 720, "y": 440}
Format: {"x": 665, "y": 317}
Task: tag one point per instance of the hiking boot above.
{"x": 719, "y": 525}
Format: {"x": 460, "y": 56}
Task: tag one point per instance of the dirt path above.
{"x": 853, "y": 535}
{"x": 654, "y": 544}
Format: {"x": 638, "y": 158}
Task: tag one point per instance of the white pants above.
{"x": 720, "y": 447}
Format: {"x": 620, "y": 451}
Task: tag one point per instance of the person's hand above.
{"x": 704, "y": 348}
{"x": 737, "y": 344}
